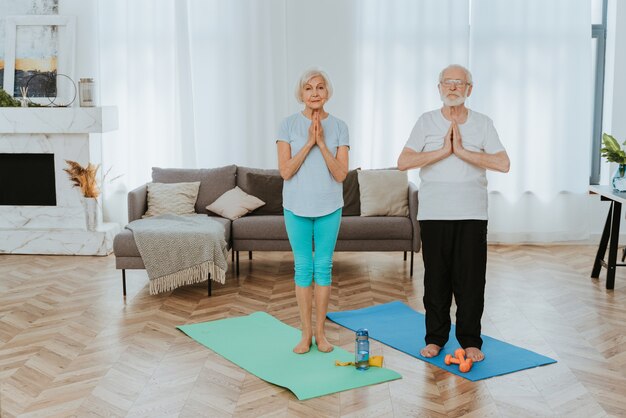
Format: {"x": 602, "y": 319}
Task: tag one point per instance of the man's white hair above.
{"x": 468, "y": 75}
{"x": 307, "y": 76}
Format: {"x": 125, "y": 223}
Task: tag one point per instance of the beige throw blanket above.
{"x": 180, "y": 250}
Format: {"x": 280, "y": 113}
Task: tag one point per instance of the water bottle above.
{"x": 362, "y": 350}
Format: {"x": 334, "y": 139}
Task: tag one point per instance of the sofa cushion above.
{"x": 124, "y": 243}
{"x": 352, "y": 227}
{"x": 214, "y": 182}
{"x": 384, "y": 192}
{"x": 171, "y": 198}
{"x": 351, "y": 194}
{"x": 375, "y": 228}
{"x": 267, "y": 185}
{"x": 264, "y": 184}
{"x": 234, "y": 204}
{"x": 260, "y": 227}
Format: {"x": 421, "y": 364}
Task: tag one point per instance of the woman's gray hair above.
{"x": 307, "y": 76}
{"x": 468, "y": 75}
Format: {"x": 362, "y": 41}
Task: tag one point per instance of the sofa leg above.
{"x": 412, "y": 254}
{"x": 237, "y": 263}
{"x": 405, "y": 256}
{"x": 124, "y": 281}
{"x": 249, "y": 255}
{"x": 209, "y": 285}
{"x": 232, "y": 255}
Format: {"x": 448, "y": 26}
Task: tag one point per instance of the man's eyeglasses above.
{"x": 454, "y": 82}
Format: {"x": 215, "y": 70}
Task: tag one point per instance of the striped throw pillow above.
{"x": 172, "y": 198}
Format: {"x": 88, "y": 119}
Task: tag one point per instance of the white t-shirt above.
{"x": 313, "y": 191}
{"x": 452, "y": 189}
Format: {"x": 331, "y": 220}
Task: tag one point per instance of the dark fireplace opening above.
{"x": 27, "y": 180}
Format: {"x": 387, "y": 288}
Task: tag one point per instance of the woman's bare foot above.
{"x": 431, "y": 350}
{"x": 303, "y": 346}
{"x": 322, "y": 344}
{"x": 474, "y": 353}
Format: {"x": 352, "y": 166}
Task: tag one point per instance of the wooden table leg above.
{"x": 604, "y": 240}
{"x": 617, "y": 214}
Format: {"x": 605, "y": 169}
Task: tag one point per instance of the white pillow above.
{"x": 234, "y": 204}
{"x": 384, "y": 192}
{"x": 174, "y": 198}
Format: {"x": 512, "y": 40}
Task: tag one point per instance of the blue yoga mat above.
{"x": 398, "y": 326}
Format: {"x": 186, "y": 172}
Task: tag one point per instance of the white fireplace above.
{"x": 66, "y": 134}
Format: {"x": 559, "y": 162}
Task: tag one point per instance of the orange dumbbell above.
{"x": 465, "y": 365}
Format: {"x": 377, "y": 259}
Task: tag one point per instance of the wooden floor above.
{"x": 71, "y": 345}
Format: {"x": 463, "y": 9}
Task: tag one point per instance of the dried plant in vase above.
{"x": 84, "y": 177}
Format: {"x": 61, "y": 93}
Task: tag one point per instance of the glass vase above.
{"x": 619, "y": 179}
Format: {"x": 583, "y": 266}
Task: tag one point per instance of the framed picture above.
{"x": 39, "y": 54}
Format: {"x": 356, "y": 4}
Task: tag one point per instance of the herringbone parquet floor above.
{"x": 70, "y": 345}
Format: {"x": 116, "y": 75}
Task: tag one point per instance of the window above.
{"x": 598, "y": 42}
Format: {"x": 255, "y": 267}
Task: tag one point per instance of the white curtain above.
{"x": 204, "y": 83}
{"x": 197, "y": 84}
{"x": 402, "y": 47}
{"x": 141, "y": 75}
{"x": 531, "y": 62}
{"x": 237, "y": 56}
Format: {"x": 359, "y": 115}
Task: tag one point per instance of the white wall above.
{"x": 86, "y": 35}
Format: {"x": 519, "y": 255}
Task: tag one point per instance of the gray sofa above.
{"x": 264, "y": 228}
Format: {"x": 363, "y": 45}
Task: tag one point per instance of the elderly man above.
{"x": 453, "y": 147}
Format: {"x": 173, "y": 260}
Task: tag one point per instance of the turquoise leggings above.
{"x": 302, "y": 230}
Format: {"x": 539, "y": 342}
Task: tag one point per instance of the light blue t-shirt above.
{"x": 312, "y": 191}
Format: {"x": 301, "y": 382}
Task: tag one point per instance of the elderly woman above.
{"x": 313, "y": 160}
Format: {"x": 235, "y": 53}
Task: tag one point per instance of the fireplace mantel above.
{"x": 59, "y": 120}
{"x": 69, "y": 134}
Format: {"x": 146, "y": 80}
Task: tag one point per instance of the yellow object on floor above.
{"x": 374, "y": 361}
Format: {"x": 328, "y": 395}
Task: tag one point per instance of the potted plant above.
{"x": 7, "y": 101}
{"x": 614, "y": 153}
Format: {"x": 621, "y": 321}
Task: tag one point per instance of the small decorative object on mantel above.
{"x": 614, "y": 153}
{"x": 49, "y": 85}
{"x": 87, "y": 92}
{"x": 24, "y": 98}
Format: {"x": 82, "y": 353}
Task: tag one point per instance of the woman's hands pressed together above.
{"x": 316, "y": 131}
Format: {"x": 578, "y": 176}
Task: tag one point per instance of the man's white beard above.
{"x": 453, "y": 102}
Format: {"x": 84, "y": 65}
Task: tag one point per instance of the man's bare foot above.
{"x": 322, "y": 344}
{"x": 303, "y": 346}
{"x": 431, "y": 350}
{"x": 474, "y": 353}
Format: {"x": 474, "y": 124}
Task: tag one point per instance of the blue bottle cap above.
{"x": 362, "y": 332}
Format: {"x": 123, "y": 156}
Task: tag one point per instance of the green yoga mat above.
{"x": 261, "y": 344}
